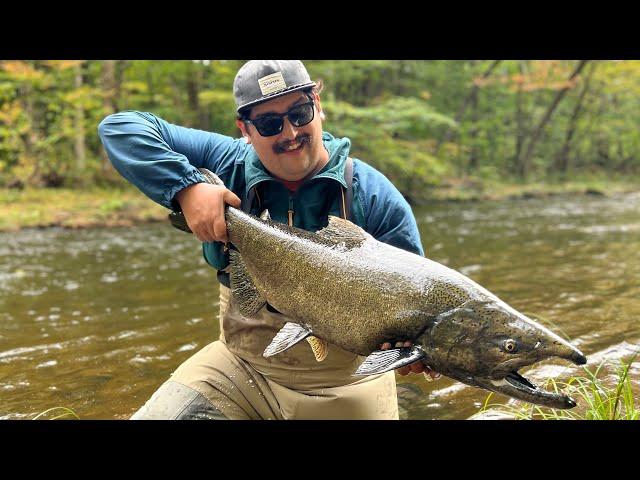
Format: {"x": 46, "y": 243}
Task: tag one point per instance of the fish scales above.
{"x": 363, "y": 302}
{"x": 346, "y": 288}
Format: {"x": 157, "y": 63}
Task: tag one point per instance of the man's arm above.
{"x": 161, "y": 159}
{"x": 388, "y": 216}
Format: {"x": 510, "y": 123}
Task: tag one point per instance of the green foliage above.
{"x": 57, "y": 413}
{"x": 597, "y": 398}
{"x": 422, "y": 123}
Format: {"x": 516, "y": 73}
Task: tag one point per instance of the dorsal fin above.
{"x": 265, "y": 215}
{"x": 340, "y": 230}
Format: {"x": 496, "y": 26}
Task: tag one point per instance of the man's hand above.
{"x": 203, "y": 208}
{"x": 415, "y": 367}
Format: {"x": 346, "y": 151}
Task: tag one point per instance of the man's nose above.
{"x": 289, "y": 132}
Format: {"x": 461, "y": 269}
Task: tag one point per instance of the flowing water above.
{"x": 95, "y": 320}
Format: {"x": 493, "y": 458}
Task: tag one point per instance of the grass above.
{"x": 596, "y": 400}
{"x": 69, "y": 208}
{"x": 471, "y": 189}
{"x": 56, "y": 413}
{"x": 126, "y": 206}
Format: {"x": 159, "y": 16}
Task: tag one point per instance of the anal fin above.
{"x": 319, "y": 347}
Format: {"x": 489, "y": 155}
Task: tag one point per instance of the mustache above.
{"x": 281, "y": 147}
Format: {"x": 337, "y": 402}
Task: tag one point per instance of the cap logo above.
{"x": 272, "y": 83}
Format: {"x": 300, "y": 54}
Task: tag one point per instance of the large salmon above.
{"x": 342, "y": 286}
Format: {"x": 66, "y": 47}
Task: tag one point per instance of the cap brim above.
{"x": 266, "y": 98}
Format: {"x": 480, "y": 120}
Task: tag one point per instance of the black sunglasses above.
{"x": 271, "y": 124}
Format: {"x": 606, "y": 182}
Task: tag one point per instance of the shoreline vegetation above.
{"x": 440, "y": 130}
{"x": 99, "y": 207}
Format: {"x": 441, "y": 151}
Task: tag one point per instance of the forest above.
{"x": 426, "y": 124}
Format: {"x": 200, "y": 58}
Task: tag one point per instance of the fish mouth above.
{"x": 518, "y": 381}
{"x": 510, "y": 382}
{"x": 517, "y": 386}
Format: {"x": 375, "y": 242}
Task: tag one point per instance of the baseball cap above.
{"x": 258, "y": 81}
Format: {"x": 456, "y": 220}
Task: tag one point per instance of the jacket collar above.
{"x": 338, "y": 148}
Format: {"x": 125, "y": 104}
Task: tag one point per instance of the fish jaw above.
{"x": 485, "y": 343}
{"x": 510, "y": 382}
{"x": 516, "y": 386}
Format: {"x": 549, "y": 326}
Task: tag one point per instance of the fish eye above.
{"x": 510, "y": 345}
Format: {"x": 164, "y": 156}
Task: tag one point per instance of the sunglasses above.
{"x": 272, "y": 124}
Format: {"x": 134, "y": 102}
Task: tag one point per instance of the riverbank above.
{"x": 126, "y": 206}
{"x": 96, "y": 207}
{"x": 473, "y": 190}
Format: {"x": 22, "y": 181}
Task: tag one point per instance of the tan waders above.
{"x": 231, "y": 379}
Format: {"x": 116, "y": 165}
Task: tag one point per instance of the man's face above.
{"x": 295, "y": 152}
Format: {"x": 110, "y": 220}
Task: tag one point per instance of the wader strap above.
{"x": 347, "y": 194}
{"x": 248, "y": 201}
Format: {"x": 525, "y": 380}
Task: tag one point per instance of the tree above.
{"x": 523, "y": 162}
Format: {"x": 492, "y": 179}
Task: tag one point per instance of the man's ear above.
{"x": 243, "y": 129}
{"x": 316, "y": 97}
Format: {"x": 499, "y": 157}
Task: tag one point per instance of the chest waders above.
{"x": 236, "y": 382}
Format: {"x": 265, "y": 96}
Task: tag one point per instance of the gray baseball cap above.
{"x": 258, "y": 81}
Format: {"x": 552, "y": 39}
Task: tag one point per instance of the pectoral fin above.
{"x": 319, "y": 347}
{"x": 243, "y": 289}
{"x": 287, "y": 337}
{"x": 382, "y": 361}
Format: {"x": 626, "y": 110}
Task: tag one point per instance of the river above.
{"x": 95, "y": 320}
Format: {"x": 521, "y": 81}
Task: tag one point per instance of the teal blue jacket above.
{"x": 161, "y": 159}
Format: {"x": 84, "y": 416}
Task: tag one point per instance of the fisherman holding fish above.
{"x": 286, "y": 164}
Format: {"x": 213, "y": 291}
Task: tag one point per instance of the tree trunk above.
{"x": 29, "y": 138}
{"x": 472, "y": 94}
{"x": 109, "y": 86}
{"x": 111, "y": 80}
{"x": 80, "y": 146}
{"x": 523, "y": 167}
{"x": 519, "y": 120}
{"x": 473, "y": 158}
{"x": 194, "y": 82}
{"x": 562, "y": 160}
{"x": 597, "y": 99}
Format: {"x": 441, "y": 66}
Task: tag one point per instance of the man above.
{"x": 284, "y": 163}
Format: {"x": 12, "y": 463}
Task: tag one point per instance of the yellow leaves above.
{"x": 622, "y": 77}
{"x": 536, "y": 75}
{"x": 20, "y": 70}
{"x": 63, "y": 64}
{"x": 558, "y": 85}
{"x": 80, "y": 94}
{"x": 209, "y": 97}
{"x": 135, "y": 87}
{"x": 10, "y": 113}
{"x": 518, "y": 79}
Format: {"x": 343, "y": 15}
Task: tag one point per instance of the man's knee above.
{"x": 174, "y": 401}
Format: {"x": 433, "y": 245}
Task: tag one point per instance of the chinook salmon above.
{"x": 343, "y": 286}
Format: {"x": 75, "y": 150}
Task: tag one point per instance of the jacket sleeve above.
{"x": 161, "y": 158}
{"x": 388, "y": 216}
